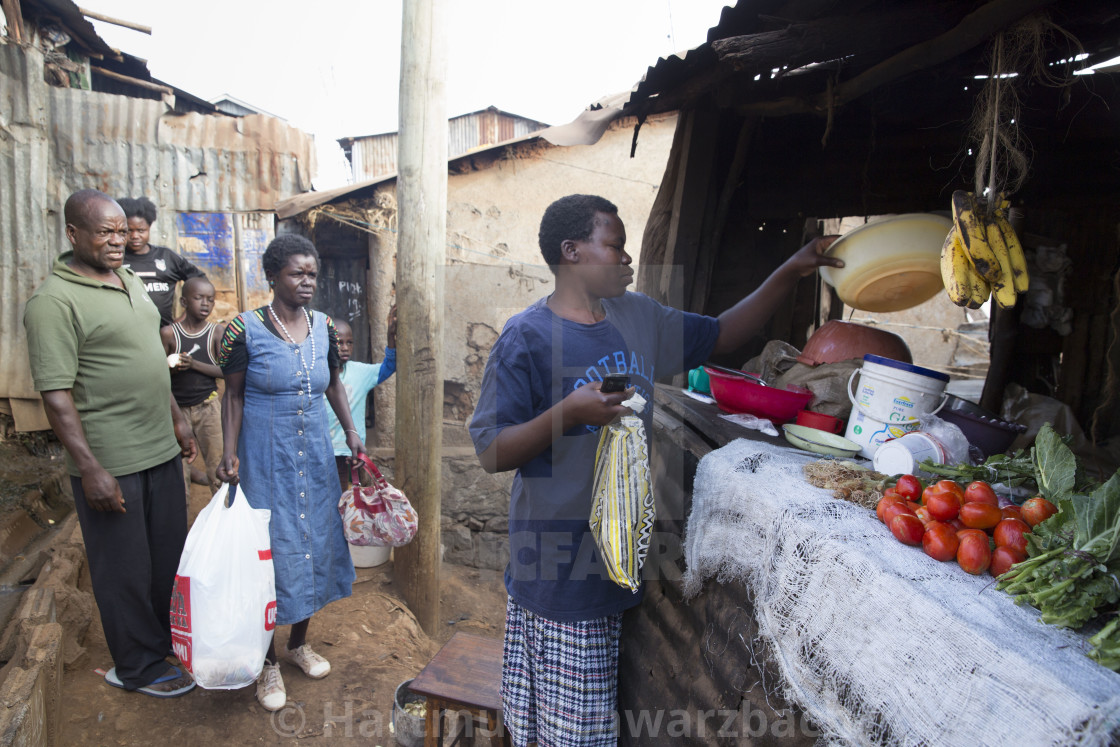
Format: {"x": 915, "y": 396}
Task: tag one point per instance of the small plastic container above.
{"x": 698, "y": 381}
{"x": 820, "y": 421}
{"x": 901, "y": 456}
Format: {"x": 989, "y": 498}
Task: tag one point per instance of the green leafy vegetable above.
{"x": 1056, "y": 467}
{"x": 1098, "y": 519}
{"x": 1012, "y": 470}
{"x": 1072, "y": 573}
{"x": 1106, "y": 645}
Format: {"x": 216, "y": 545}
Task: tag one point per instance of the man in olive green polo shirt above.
{"x": 98, "y": 362}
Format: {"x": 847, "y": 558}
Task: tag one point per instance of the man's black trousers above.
{"x": 133, "y": 558}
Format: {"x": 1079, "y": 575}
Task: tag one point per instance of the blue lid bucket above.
{"x": 890, "y": 399}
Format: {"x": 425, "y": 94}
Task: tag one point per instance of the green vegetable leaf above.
{"x": 1057, "y": 531}
{"x": 1055, "y": 465}
{"x": 1106, "y": 645}
{"x": 1098, "y": 520}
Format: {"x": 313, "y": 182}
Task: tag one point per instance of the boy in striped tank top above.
{"x": 194, "y": 374}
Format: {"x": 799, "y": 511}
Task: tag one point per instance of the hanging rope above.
{"x": 1016, "y": 54}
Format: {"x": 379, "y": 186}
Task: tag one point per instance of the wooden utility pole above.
{"x": 422, "y": 210}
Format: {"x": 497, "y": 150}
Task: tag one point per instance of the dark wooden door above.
{"x": 341, "y": 292}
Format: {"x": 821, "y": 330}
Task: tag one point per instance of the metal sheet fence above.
{"x": 54, "y": 141}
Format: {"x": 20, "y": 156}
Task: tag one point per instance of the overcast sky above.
{"x": 332, "y": 67}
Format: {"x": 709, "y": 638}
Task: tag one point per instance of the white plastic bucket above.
{"x": 901, "y": 456}
{"x": 368, "y": 556}
{"x": 892, "y": 395}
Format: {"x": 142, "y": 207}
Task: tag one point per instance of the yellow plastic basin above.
{"x": 891, "y": 264}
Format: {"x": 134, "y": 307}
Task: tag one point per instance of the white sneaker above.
{"x": 313, "y": 665}
{"x": 270, "y": 688}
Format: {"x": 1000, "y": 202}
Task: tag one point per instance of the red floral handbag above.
{"x": 378, "y": 515}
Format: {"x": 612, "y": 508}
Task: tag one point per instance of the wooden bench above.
{"x": 465, "y": 675}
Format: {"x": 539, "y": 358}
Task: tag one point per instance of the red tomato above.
{"x": 1037, "y": 510}
{"x": 909, "y": 487}
{"x": 895, "y": 508}
{"x": 956, "y": 524}
{"x": 940, "y": 542}
{"x": 1011, "y": 512}
{"x": 980, "y": 492}
{"x": 1011, "y": 533}
{"x": 974, "y": 555}
{"x": 944, "y": 505}
{"x": 907, "y": 529}
{"x": 962, "y": 533}
{"x": 941, "y": 486}
{"x": 885, "y": 501}
{"x": 980, "y": 515}
{"x": 926, "y": 493}
{"x": 948, "y": 486}
{"x": 1005, "y": 557}
{"x": 923, "y": 515}
{"x": 893, "y": 494}
{"x": 914, "y": 506}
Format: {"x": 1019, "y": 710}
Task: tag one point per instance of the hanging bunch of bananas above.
{"x": 982, "y": 255}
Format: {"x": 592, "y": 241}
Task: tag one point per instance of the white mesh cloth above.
{"x": 876, "y": 642}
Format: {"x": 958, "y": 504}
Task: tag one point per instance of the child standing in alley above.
{"x": 194, "y": 377}
{"x": 359, "y": 380}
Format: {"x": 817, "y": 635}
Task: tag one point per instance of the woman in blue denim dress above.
{"x": 279, "y": 361}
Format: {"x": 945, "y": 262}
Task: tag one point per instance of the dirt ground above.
{"x": 371, "y": 639}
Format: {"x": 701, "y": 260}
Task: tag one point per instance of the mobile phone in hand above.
{"x": 615, "y": 383}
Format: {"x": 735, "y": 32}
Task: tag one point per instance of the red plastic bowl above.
{"x": 739, "y": 394}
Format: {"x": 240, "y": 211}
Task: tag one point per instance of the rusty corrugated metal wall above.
{"x": 54, "y": 141}
{"x": 376, "y": 155}
{"x": 373, "y": 156}
{"x": 228, "y": 248}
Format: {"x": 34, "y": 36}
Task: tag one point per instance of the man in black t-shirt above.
{"x": 158, "y": 267}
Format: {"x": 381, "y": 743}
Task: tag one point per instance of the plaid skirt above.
{"x": 560, "y": 679}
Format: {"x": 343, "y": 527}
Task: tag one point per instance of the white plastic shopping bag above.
{"x": 223, "y": 607}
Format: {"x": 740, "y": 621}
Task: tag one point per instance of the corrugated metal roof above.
{"x": 70, "y": 16}
{"x": 374, "y": 156}
{"x": 679, "y": 81}
{"x": 345, "y": 142}
{"x": 301, "y": 203}
{"x": 54, "y": 141}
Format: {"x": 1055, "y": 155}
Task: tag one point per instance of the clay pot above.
{"x": 840, "y": 341}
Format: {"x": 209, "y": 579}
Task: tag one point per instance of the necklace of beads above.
{"x": 298, "y": 348}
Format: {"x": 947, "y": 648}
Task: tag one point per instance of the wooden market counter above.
{"x": 855, "y": 618}
{"x": 684, "y": 675}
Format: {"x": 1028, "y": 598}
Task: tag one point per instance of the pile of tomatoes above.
{"x": 966, "y": 524}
